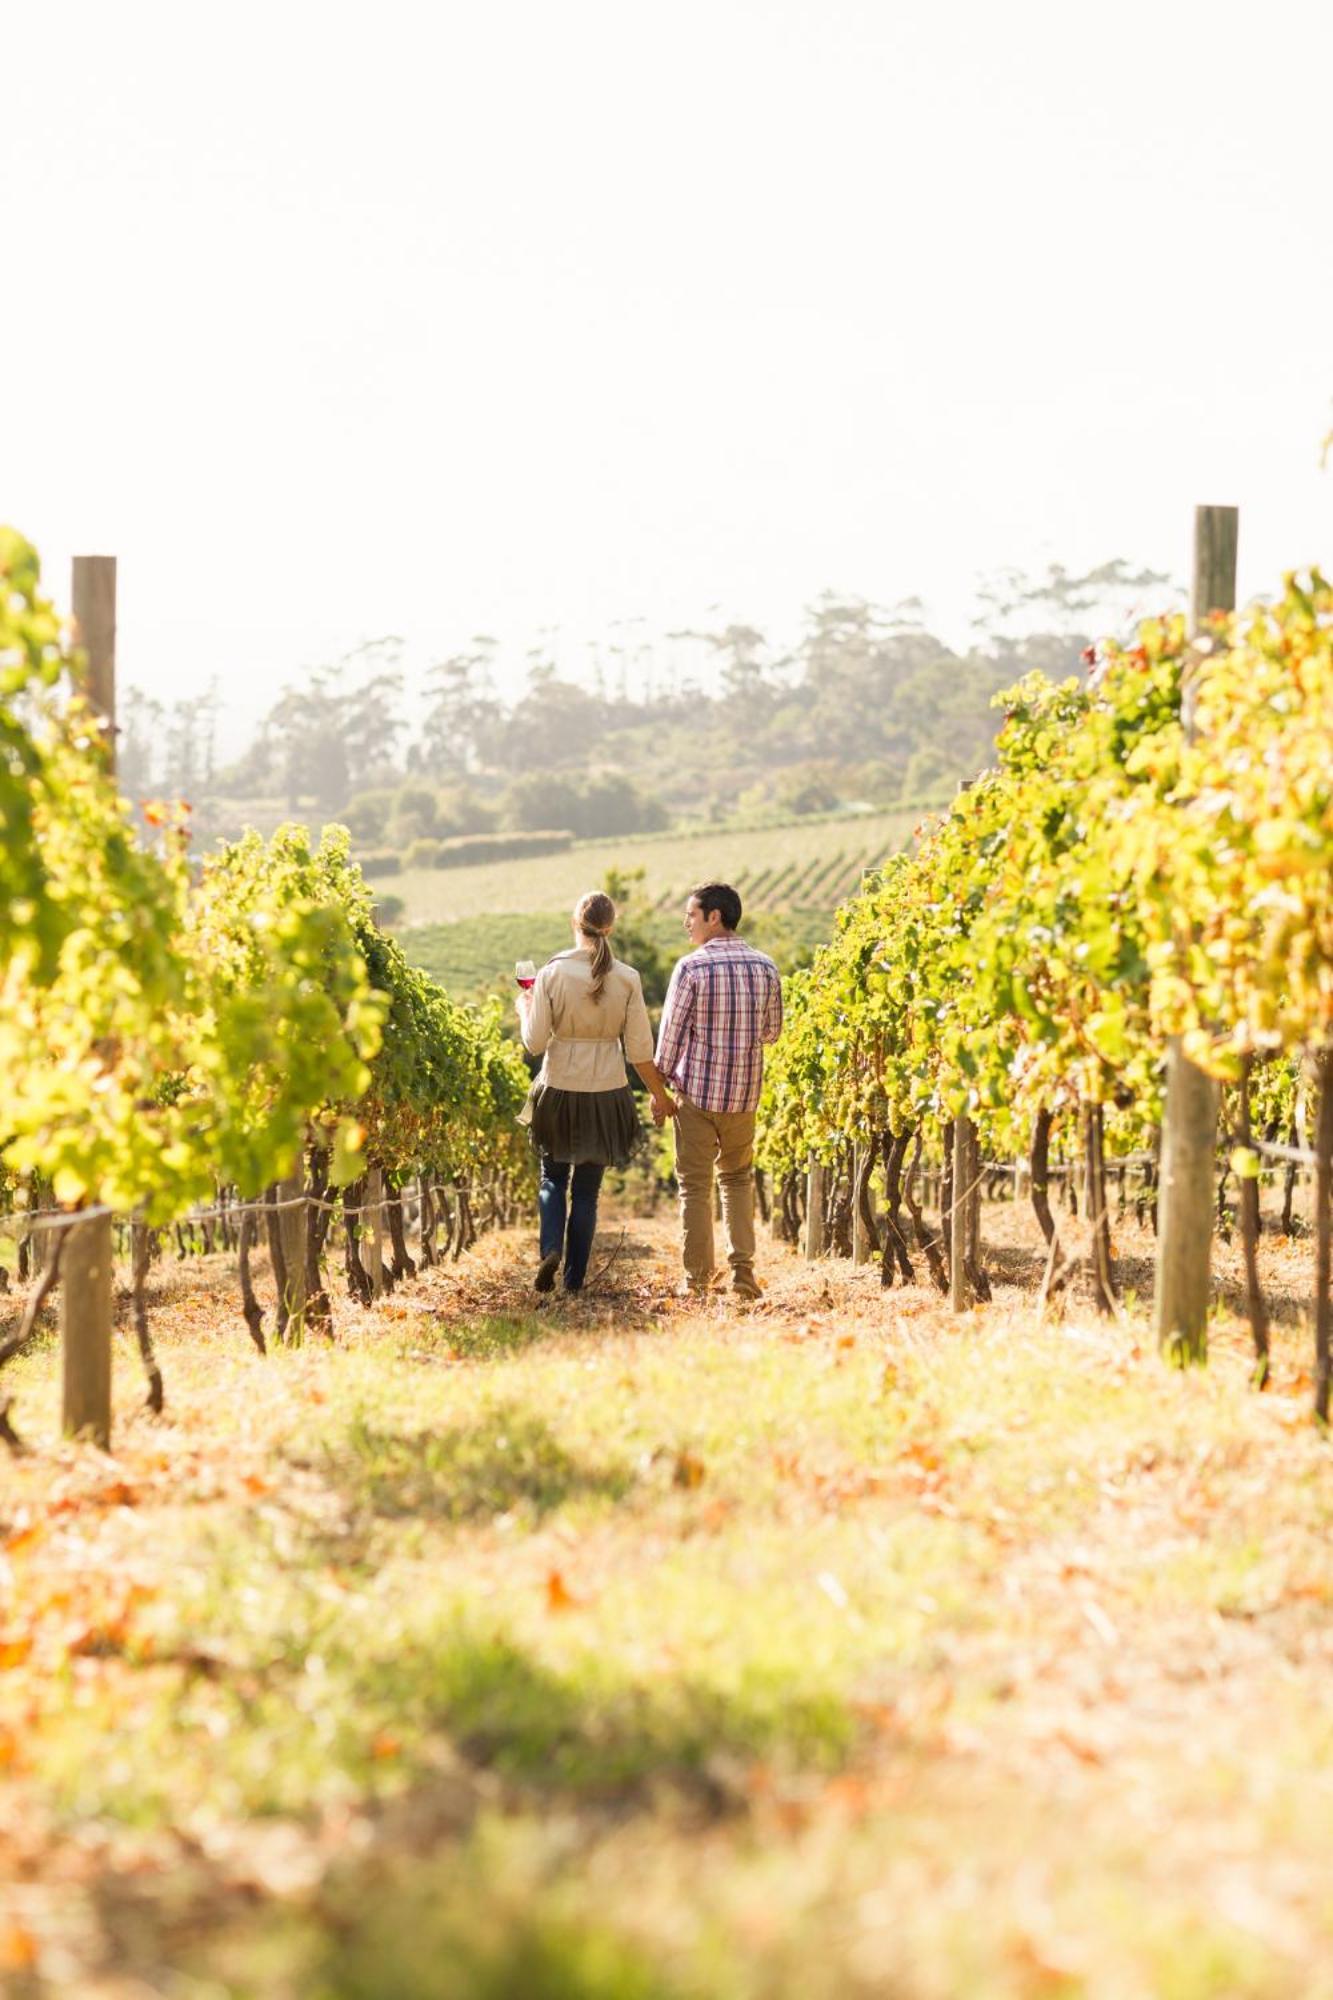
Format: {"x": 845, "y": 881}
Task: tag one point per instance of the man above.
{"x": 724, "y": 1002}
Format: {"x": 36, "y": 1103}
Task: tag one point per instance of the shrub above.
{"x": 930, "y": 774}
{"x": 367, "y": 814}
{"x": 592, "y": 805}
{"x": 379, "y": 862}
{"x": 806, "y": 792}
{"x": 423, "y": 854}
{"x": 462, "y": 811}
{"x": 468, "y": 848}
{"x": 416, "y": 811}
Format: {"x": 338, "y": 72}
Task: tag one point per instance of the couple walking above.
{"x": 723, "y": 1004}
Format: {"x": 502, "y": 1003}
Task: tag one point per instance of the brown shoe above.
{"x": 746, "y": 1286}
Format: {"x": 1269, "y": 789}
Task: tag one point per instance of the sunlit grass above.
{"x": 835, "y": 1648}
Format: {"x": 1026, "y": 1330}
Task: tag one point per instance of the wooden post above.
{"x": 814, "y": 1212}
{"x": 293, "y": 1226}
{"x": 85, "y": 1275}
{"x": 93, "y": 602}
{"x": 375, "y": 1203}
{"x": 960, "y": 1295}
{"x": 1189, "y": 1127}
{"x": 973, "y": 1196}
{"x": 85, "y": 1331}
{"x": 1216, "y": 543}
{"x": 1323, "y": 1236}
{"x": 860, "y": 1235}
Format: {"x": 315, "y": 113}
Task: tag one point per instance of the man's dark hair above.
{"x": 719, "y": 896}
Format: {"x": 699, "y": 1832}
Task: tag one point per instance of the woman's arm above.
{"x": 664, "y": 1104}
{"x": 638, "y": 1034}
{"x": 534, "y": 1015}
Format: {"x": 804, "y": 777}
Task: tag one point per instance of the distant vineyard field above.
{"x": 778, "y": 870}
{"x": 475, "y": 956}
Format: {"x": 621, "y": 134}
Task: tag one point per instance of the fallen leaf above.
{"x": 1078, "y": 1746}
{"x": 1041, "y": 1965}
{"x": 559, "y": 1597}
{"x": 848, "y": 1794}
{"x": 18, "y": 1948}
{"x": 688, "y": 1470}
{"x": 832, "y": 1589}
{"x": 1099, "y": 1622}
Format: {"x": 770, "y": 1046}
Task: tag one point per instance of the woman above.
{"x": 583, "y": 1116}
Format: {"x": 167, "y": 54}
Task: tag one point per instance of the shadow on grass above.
{"x": 491, "y": 1336}
{"x": 605, "y": 1309}
{"x": 587, "y": 1730}
{"x": 428, "y": 1935}
{"x": 1135, "y": 1277}
{"x": 469, "y": 1921}
{"x": 426, "y": 1913}
{"x": 504, "y": 1460}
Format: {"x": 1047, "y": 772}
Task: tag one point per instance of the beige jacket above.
{"x": 579, "y": 1036}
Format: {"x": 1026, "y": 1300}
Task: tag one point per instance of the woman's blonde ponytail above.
{"x": 594, "y": 916}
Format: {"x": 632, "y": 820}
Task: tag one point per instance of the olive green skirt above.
{"x": 585, "y": 1126}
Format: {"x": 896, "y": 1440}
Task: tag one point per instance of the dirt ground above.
{"x": 623, "y": 1646}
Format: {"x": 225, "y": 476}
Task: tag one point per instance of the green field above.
{"x": 466, "y": 926}
{"x": 776, "y": 868}
{"x": 475, "y": 956}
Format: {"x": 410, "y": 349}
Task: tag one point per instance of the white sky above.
{"x": 336, "y": 321}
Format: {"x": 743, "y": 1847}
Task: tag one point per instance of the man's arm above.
{"x": 771, "y": 1026}
{"x": 677, "y": 1016}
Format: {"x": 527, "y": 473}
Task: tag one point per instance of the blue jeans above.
{"x": 576, "y": 1243}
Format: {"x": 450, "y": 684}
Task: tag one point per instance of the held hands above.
{"x": 664, "y": 1107}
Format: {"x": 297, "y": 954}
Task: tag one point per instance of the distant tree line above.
{"x": 868, "y": 706}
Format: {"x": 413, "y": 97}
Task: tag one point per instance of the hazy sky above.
{"x": 335, "y": 321}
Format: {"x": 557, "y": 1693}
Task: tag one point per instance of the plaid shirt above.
{"x": 724, "y": 1002}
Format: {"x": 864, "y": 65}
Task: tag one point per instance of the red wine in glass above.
{"x": 525, "y": 972}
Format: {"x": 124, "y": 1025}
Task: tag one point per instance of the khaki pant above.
{"x": 725, "y": 1139}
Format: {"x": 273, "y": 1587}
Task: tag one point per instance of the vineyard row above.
{"x": 171, "y": 1026}
{"x": 1140, "y": 889}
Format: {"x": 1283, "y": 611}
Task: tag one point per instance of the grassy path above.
{"x": 619, "y": 1648}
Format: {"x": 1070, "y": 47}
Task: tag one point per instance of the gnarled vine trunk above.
{"x": 893, "y": 1240}
{"x": 250, "y": 1306}
{"x": 403, "y": 1265}
{"x": 1039, "y": 1163}
{"x": 927, "y": 1241}
{"x": 1250, "y": 1227}
{"x": 358, "y": 1277}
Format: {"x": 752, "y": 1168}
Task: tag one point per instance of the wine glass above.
{"x": 525, "y": 972}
